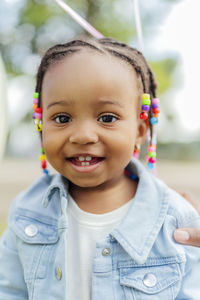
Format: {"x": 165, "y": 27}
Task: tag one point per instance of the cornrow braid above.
{"x": 104, "y": 46}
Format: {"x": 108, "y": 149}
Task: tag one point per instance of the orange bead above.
{"x": 34, "y": 106}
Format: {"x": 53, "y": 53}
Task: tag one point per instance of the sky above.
{"x": 180, "y": 32}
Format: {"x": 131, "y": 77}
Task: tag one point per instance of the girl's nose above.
{"x": 83, "y": 135}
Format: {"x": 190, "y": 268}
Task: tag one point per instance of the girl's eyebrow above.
{"x": 62, "y": 102}
{"x": 99, "y": 103}
{"x": 110, "y": 102}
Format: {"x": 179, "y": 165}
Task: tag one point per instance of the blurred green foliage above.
{"x": 163, "y": 70}
{"x": 36, "y": 14}
{"x": 111, "y": 18}
{"x": 42, "y": 23}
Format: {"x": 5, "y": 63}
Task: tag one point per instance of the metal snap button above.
{"x": 31, "y": 230}
{"x": 149, "y": 280}
{"x": 58, "y": 273}
{"x": 106, "y": 251}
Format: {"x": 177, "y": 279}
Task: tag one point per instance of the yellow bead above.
{"x": 145, "y": 97}
{"x": 42, "y": 157}
{"x": 38, "y": 127}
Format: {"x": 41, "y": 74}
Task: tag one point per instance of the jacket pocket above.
{"x": 145, "y": 282}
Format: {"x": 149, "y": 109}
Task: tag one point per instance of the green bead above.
{"x": 146, "y": 101}
{"x": 152, "y": 154}
{"x": 42, "y": 150}
{"x": 36, "y": 95}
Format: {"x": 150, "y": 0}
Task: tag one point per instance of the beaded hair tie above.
{"x": 147, "y": 103}
{"x": 37, "y": 116}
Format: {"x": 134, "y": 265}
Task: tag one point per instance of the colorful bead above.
{"x": 36, "y": 95}
{"x": 131, "y": 175}
{"x": 44, "y": 164}
{"x": 34, "y": 106}
{"x": 38, "y": 110}
{"x": 145, "y": 107}
{"x": 155, "y": 101}
{"x": 38, "y": 127}
{"x": 151, "y": 148}
{"x": 150, "y": 166}
{"x": 42, "y": 157}
{"x": 151, "y": 156}
{"x": 155, "y": 106}
{"x": 145, "y": 96}
{"x": 154, "y": 121}
{"x": 156, "y": 110}
{"x": 42, "y": 150}
{"x": 152, "y": 160}
{"x": 143, "y": 116}
{"x": 146, "y": 102}
{"x": 136, "y": 152}
{"x": 37, "y": 116}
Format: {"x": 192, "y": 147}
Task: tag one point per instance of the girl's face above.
{"x": 91, "y": 117}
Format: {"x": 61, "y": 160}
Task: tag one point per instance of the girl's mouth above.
{"x": 85, "y": 163}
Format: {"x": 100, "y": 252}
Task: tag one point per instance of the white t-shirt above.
{"x": 85, "y": 229}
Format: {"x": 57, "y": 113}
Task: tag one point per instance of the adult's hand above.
{"x": 189, "y": 236}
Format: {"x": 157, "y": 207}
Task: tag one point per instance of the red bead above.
{"x": 152, "y": 160}
{"x": 143, "y": 116}
{"x": 156, "y": 110}
{"x": 38, "y": 110}
{"x": 43, "y": 164}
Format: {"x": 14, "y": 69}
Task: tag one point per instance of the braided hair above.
{"x": 104, "y": 46}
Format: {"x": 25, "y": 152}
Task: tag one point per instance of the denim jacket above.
{"x": 138, "y": 260}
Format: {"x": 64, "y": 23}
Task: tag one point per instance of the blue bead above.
{"x": 150, "y": 166}
{"x": 134, "y": 177}
{"x": 154, "y": 121}
{"x": 46, "y": 171}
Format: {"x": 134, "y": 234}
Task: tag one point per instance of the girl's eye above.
{"x": 61, "y": 119}
{"x": 107, "y": 119}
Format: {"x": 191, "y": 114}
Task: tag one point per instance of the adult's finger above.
{"x": 188, "y": 236}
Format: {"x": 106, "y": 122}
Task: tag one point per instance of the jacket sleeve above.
{"x": 190, "y": 287}
{"x": 12, "y": 284}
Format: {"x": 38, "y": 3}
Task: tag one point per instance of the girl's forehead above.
{"x": 89, "y": 73}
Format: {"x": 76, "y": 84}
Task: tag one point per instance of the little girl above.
{"x": 102, "y": 228}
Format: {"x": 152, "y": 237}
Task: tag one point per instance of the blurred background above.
{"x": 171, "y": 45}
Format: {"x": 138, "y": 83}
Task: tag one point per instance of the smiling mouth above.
{"x": 85, "y": 161}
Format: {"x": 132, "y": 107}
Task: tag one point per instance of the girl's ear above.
{"x": 143, "y": 127}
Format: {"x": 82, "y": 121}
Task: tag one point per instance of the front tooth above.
{"x": 87, "y": 163}
{"x": 81, "y": 158}
{"x": 88, "y": 158}
{"x": 83, "y": 164}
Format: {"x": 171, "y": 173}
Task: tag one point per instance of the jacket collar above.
{"x": 139, "y": 229}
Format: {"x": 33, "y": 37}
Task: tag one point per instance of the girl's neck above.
{"x": 104, "y": 198}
